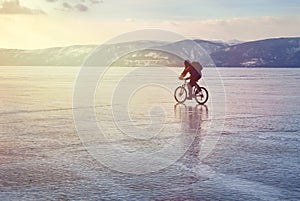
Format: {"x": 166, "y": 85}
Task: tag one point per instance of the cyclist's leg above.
{"x": 190, "y": 89}
{"x": 196, "y": 84}
{"x": 191, "y": 84}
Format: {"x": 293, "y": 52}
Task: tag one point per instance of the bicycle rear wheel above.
{"x": 180, "y": 94}
{"x": 201, "y": 96}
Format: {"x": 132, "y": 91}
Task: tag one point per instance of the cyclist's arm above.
{"x": 185, "y": 71}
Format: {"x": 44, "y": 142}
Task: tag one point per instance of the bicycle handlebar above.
{"x": 185, "y": 79}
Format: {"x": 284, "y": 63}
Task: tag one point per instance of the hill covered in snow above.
{"x": 278, "y": 52}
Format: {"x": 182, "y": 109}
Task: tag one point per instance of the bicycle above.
{"x": 180, "y": 93}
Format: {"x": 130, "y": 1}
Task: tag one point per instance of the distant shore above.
{"x": 268, "y": 53}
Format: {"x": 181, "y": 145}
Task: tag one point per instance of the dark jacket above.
{"x": 196, "y": 74}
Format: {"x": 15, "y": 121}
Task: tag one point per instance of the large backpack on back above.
{"x": 197, "y": 66}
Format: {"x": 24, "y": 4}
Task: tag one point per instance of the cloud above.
{"x": 74, "y": 7}
{"x": 67, "y": 6}
{"x": 81, "y": 7}
{"x": 245, "y": 28}
{"x": 14, "y": 7}
{"x": 87, "y": 1}
{"x": 33, "y": 32}
{"x": 96, "y": 1}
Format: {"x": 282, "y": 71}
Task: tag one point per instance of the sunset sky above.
{"x": 30, "y": 24}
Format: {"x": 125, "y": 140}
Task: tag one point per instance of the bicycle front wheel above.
{"x": 180, "y": 94}
{"x": 201, "y": 96}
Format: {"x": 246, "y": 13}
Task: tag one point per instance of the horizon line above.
{"x": 130, "y": 41}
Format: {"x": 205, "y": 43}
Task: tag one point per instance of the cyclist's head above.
{"x": 187, "y": 63}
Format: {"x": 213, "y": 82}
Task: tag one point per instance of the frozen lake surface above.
{"x": 256, "y": 156}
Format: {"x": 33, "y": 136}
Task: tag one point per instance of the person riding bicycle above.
{"x": 194, "y": 69}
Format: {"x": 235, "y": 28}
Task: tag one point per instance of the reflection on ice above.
{"x": 192, "y": 117}
{"x": 125, "y": 150}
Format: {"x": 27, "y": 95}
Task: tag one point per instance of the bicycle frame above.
{"x": 185, "y": 85}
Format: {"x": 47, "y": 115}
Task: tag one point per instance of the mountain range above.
{"x": 275, "y": 52}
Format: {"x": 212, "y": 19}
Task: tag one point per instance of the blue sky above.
{"x": 44, "y": 23}
{"x": 171, "y": 9}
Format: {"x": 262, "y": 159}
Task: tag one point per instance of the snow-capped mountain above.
{"x": 56, "y": 56}
{"x": 280, "y": 52}
{"x": 172, "y": 54}
{"x": 234, "y": 42}
{"x": 112, "y": 54}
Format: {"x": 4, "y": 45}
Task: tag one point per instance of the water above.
{"x": 255, "y": 158}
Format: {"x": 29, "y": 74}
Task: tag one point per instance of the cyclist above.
{"x": 194, "y": 69}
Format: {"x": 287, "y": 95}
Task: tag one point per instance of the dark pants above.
{"x": 193, "y": 82}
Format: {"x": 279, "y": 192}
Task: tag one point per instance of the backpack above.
{"x": 198, "y": 67}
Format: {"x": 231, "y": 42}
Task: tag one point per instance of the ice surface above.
{"x": 256, "y": 156}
